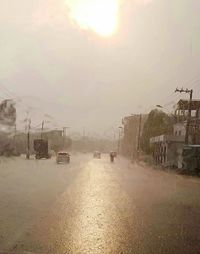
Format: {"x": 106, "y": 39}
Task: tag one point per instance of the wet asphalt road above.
{"x": 92, "y": 206}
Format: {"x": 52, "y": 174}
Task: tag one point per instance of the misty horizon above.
{"x": 55, "y": 66}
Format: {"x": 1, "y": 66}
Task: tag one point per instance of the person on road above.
{"x": 112, "y": 156}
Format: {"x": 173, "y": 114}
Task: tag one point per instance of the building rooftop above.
{"x": 184, "y": 104}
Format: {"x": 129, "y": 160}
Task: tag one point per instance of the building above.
{"x": 130, "y": 141}
{"x": 57, "y": 140}
{"x": 181, "y": 115}
{"x": 167, "y": 149}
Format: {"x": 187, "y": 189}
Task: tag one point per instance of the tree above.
{"x": 158, "y": 123}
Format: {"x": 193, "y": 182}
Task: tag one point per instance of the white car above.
{"x": 63, "y": 157}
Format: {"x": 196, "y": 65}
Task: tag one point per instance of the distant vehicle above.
{"x": 63, "y": 157}
{"x": 97, "y": 155}
{"x": 41, "y": 149}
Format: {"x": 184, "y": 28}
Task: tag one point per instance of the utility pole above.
{"x": 139, "y": 134}
{"x": 64, "y": 134}
{"x": 28, "y": 140}
{"x": 42, "y": 128}
{"x": 14, "y": 138}
{"x": 189, "y": 91}
{"x": 119, "y": 140}
{"x": 64, "y": 131}
{"x": 118, "y": 149}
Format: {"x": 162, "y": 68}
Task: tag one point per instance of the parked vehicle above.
{"x": 97, "y": 155}
{"x": 41, "y": 149}
{"x": 63, "y": 157}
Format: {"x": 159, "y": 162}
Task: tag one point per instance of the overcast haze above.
{"x": 86, "y": 80}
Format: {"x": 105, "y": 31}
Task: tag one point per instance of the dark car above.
{"x": 63, "y": 157}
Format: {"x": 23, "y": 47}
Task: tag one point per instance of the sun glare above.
{"x": 101, "y": 16}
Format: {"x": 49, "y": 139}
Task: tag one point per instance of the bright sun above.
{"x": 100, "y": 16}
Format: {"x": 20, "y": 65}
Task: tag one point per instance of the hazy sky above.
{"x": 52, "y": 58}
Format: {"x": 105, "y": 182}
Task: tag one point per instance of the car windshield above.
{"x": 100, "y": 126}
